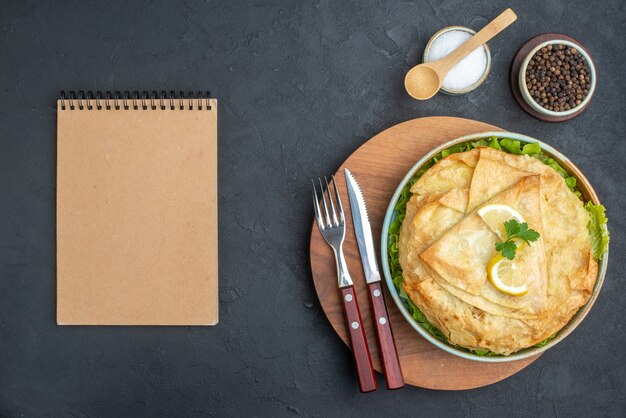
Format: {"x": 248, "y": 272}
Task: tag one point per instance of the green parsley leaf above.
{"x": 514, "y": 229}
{"x": 507, "y": 248}
{"x": 525, "y": 233}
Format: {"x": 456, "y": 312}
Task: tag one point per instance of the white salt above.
{"x": 469, "y": 70}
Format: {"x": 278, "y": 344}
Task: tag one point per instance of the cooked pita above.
{"x": 424, "y": 222}
{"x": 444, "y": 248}
{"x": 454, "y": 171}
{"x": 490, "y": 177}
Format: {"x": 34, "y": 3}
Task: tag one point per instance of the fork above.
{"x": 333, "y": 229}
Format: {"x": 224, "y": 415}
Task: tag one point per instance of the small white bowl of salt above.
{"x": 471, "y": 71}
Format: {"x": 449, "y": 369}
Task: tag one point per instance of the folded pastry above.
{"x": 445, "y": 247}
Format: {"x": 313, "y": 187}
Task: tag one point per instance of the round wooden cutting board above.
{"x": 379, "y": 165}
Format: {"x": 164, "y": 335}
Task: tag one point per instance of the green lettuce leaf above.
{"x": 531, "y": 149}
{"x": 546, "y": 341}
{"x": 597, "y": 229}
{"x": 551, "y": 162}
{"x": 511, "y": 146}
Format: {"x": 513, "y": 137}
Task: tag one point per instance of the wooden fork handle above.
{"x": 386, "y": 344}
{"x": 362, "y": 359}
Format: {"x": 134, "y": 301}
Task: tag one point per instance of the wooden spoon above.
{"x": 424, "y": 80}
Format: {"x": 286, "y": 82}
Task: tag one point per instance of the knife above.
{"x": 363, "y": 232}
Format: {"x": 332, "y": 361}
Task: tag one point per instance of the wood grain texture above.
{"x": 386, "y": 343}
{"x": 516, "y": 64}
{"x": 358, "y": 340}
{"x": 379, "y": 165}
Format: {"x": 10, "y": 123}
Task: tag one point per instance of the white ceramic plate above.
{"x": 587, "y": 193}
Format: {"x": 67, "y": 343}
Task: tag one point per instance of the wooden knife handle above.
{"x": 362, "y": 359}
{"x": 386, "y": 344}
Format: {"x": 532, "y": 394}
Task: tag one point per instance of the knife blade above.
{"x": 362, "y": 229}
{"x": 384, "y": 333}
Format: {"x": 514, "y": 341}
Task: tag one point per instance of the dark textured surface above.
{"x": 301, "y": 85}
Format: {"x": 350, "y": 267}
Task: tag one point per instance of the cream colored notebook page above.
{"x": 137, "y": 210}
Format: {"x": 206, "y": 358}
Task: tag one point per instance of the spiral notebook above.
{"x": 137, "y": 209}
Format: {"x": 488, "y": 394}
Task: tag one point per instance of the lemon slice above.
{"x": 496, "y": 215}
{"x": 505, "y": 276}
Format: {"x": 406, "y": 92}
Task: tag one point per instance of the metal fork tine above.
{"x": 328, "y": 224}
{"x": 318, "y": 217}
{"x": 332, "y": 206}
{"x": 341, "y": 216}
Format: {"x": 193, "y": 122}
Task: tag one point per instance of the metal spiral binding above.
{"x": 117, "y": 100}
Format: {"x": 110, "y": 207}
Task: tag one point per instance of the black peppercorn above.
{"x": 558, "y": 77}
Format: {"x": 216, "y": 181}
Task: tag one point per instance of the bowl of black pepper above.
{"x": 557, "y": 78}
